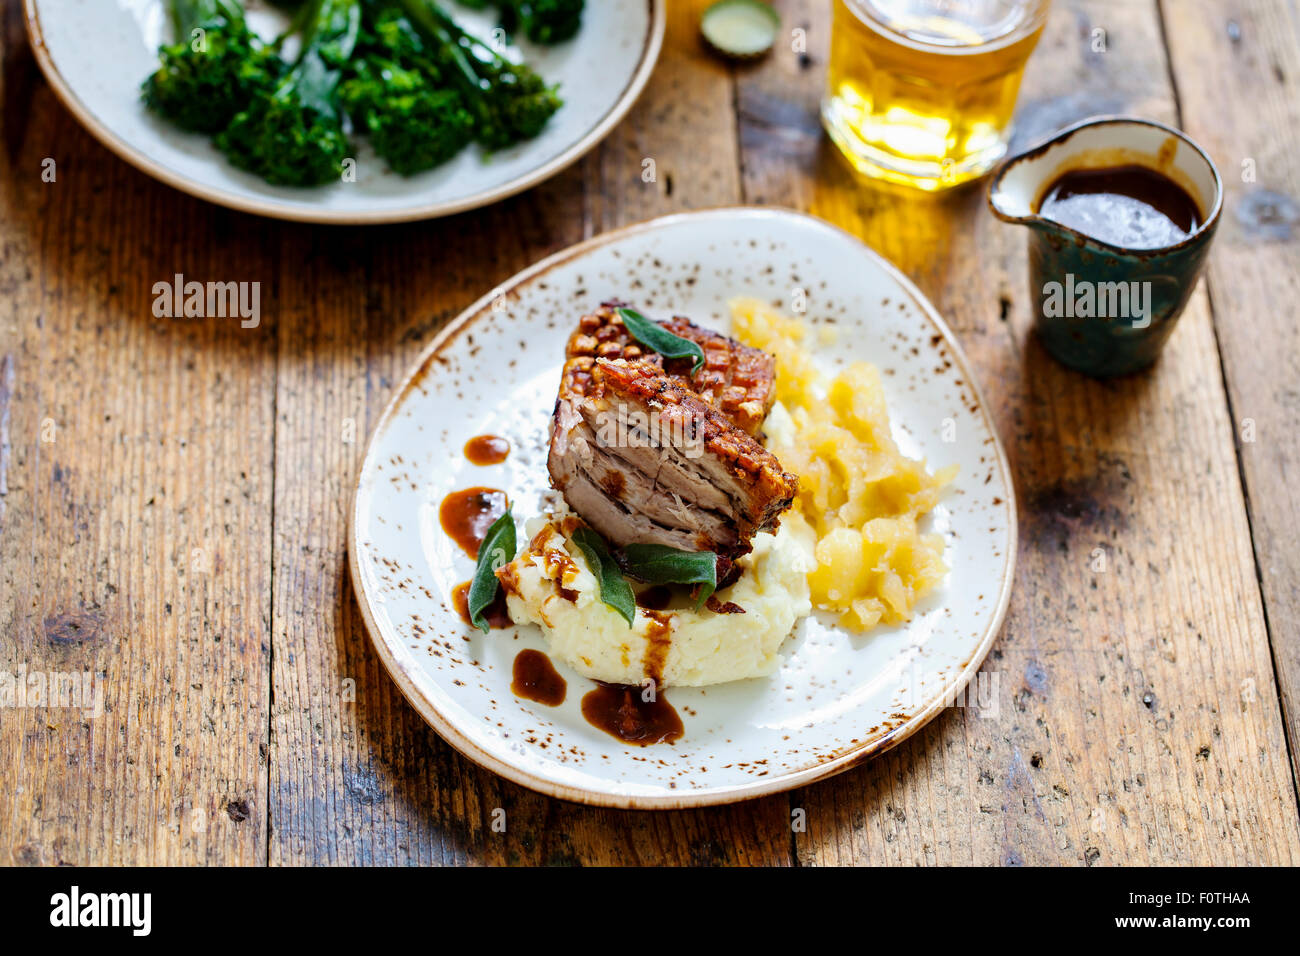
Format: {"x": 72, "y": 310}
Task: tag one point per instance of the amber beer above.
{"x": 922, "y": 91}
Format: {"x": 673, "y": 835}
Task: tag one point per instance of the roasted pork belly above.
{"x": 643, "y": 458}
{"x": 736, "y": 379}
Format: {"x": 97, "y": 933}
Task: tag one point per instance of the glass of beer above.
{"x": 922, "y": 91}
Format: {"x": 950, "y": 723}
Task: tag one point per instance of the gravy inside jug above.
{"x": 1130, "y": 206}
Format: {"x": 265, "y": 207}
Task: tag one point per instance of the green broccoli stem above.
{"x": 188, "y": 15}
{"x": 542, "y": 21}
{"x": 328, "y": 31}
{"x": 436, "y": 24}
{"x": 300, "y": 15}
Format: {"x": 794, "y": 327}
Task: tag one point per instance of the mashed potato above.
{"x": 861, "y": 496}
{"x": 550, "y": 584}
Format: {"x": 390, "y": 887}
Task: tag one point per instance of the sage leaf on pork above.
{"x": 496, "y": 551}
{"x": 660, "y": 564}
{"x": 615, "y": 592}
{"x": 654, "y": 336}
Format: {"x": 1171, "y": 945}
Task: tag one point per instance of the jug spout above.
{"x": 1015, "y": 188}
{"x": 1019, "y": 183}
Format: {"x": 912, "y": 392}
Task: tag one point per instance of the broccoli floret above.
{"x": 293, "y": 136}
{"x": 510, "y": 102}
{"x": 412, "y": 125}
{"x": 214, "y": 67}
{"x": 396, "y": 92}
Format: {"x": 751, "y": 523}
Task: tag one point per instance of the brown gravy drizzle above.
{"x": 496, "y": 613}
{"x": 536, "y": 679}
{"x": 619, "y": 710}
{"x": 559, "y": 566}
{"x": 467, "y": 515}
{"x": 487, "y": 449}
{"x": 659, "y": 638}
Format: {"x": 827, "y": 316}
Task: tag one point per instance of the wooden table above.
{"x": 172, "y": 492}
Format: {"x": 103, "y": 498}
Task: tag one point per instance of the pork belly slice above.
{"x": 644, "y": 459}
{"x": 736, "y": 379}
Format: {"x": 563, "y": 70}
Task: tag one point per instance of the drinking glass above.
{"x": 922, "y": 91}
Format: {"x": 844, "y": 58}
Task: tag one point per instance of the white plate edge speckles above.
{"x": 108, "y": 106}
{"x": 742, "y": 731}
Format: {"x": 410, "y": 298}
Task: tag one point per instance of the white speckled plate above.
{"x": 839, "y": 697}
{"x": 601, "y": 72}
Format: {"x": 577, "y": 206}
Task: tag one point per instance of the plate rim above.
{"x": 274, "y": 209}
{"x": 708, "y": 796}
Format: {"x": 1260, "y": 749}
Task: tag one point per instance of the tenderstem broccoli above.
{"x": 215, "y": 65}
{"x": 509, "y": 101}
{"x": 401, "y": 72}
{"x": 293, "y": 135}
{"x": 397, "y": 93}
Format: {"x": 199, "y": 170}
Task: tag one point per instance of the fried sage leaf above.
{"x": 496, "y": 551}
{"x": 660, "y": 564}
{"x": 614, "y": 589}
{"x": 654, "y": 336}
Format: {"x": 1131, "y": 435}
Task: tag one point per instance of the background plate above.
{"x": 839, "y": 697}
{"x": 601, "y": 72}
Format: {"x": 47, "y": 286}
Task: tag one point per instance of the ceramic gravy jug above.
{"x": 1100, "y": 308}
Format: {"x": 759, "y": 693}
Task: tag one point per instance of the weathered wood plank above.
{"x": 367, "y": 781}
{"x": 135, "y": 466}
{"x": 1237, "y": 73}
{"x": 1137, "y": 718}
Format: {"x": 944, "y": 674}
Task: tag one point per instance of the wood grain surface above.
{"x": 1237, "y": 73}
{"x": 173, "y": 492}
